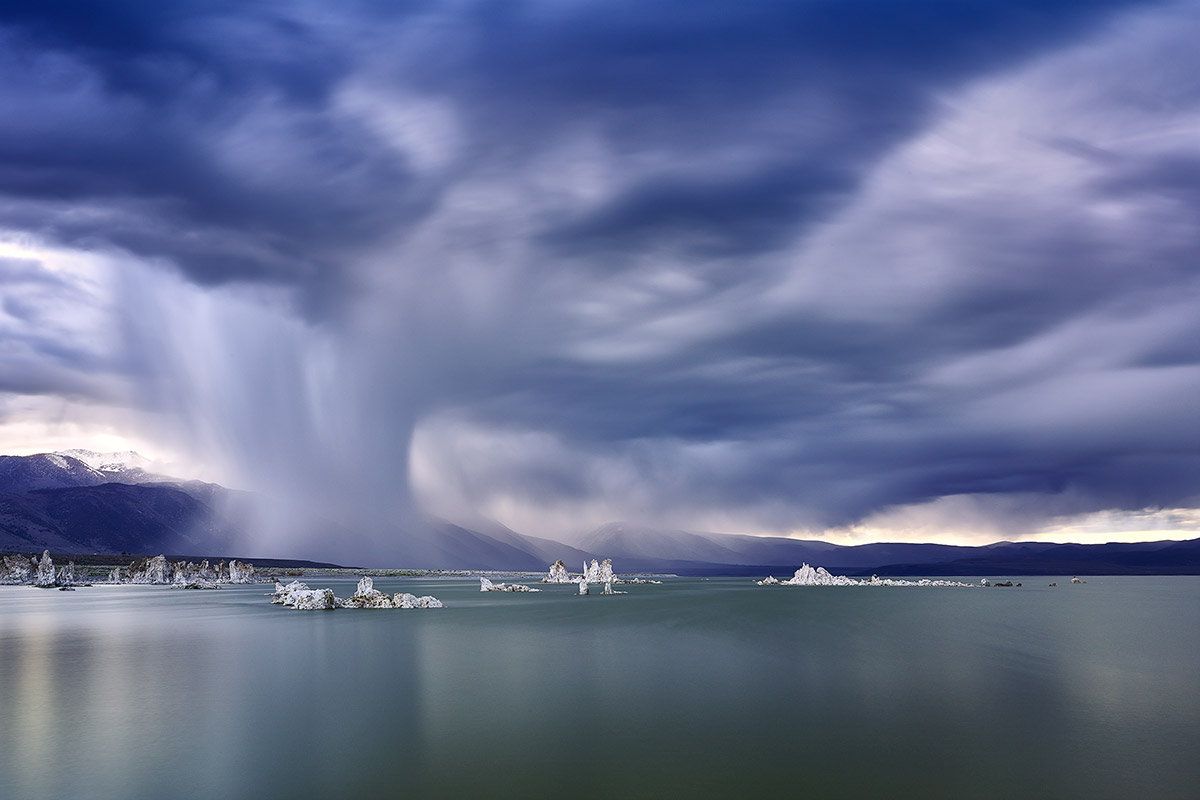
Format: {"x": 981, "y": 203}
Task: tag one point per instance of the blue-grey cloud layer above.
{"x": 689, "y": 289}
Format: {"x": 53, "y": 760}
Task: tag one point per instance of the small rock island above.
{"x": 299, "y": 596}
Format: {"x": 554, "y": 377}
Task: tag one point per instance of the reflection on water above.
{"x": 708, "y": 688}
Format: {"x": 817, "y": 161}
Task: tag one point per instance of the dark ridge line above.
{"x": 121, "y": 559}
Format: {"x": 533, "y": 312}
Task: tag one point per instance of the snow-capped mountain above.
{"x": 46, "y": 471}
{"x": 82, "y": 501}
{"x": 109, "y": 462}
{"x": 73, "y": 468}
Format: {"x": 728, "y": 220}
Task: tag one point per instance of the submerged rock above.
{"x": 558, "y": 574}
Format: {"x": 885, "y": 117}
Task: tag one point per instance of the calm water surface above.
{"x": 695, "y": 688}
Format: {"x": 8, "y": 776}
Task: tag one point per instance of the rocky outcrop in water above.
{"x": 16, "y": 569}
{"x": 808, "y": 576}
{"x": 299, "y": 596}
{"x": 180, "y": 581}
{"x": 367, "y": 596}
{"x": 154, "y": 570}
{"x": 405, "y": 600}
{"x": 66, "y": 575}
{"x": 602, "y": 572}
{"x": 558, "y": 574}
{"x": 45, "y": 575}
{"x": 487, "y": 586}
{"x": 241, "y": 573}
{"x": 598, "y": 573}
{"x": 186, "y": 575}
{"x": 819, "y": 576}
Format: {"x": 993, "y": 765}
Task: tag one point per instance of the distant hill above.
{"x": 80, "y": 501}
{"x": 46, "y": 471}
{"x": 640, "y": 548}
{"x": 500, "y": 549}
{"x": 71, "y": 468}
{"x": 682, "y": 550}
{"x": 1113, "y": 558}
{"x": 111, "y": 518}
{"x": 110, "y": 462}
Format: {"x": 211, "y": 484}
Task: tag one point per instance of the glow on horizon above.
{"x": 1097, "y": 527}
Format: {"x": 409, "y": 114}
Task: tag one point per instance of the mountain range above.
{"x": 83, "y": 502}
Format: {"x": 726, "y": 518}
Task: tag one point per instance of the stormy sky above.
{"x": 854, "y": 269}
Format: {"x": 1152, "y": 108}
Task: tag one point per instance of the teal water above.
{"x": 696, "y": 688}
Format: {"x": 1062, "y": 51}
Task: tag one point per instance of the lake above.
{"x": 696, "y": 688}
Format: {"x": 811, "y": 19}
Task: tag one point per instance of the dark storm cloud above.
{"x": 743, "y": 215}
{"x": 133, "y": 101}
{"x": 658, "y": 250}
{"x": 815, "y": 90}
{"x": 191, "y": 134}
